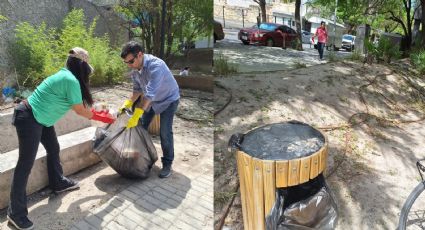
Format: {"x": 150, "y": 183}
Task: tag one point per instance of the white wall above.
{"x": 240, "y": 3}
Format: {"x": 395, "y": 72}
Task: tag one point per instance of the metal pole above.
{"x": 224, "y": 21}
{"x": 336, "y": 6}
{"x": 243, "y": 20}
{"x": 161, "y": 51}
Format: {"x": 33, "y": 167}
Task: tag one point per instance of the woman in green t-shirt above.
{"x": 34, "y": 119}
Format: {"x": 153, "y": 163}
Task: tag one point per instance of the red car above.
{"x": 268, "y": 34}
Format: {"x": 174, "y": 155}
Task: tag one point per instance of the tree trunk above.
{"x": 156, "y": 27}
{"x": 423, "y": 21}
{"x": 298, "y": 24}
{"x": 169, "y": 29}
{"x": 263, "y": 11}
{"x": 409, "y": 25}
{"x": 262, "y": 4}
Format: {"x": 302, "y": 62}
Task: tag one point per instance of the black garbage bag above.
{"x": 130, "y": 152}
{"x": 304, "y": 207}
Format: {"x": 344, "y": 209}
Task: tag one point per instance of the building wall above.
{"x": 52, "y": 13}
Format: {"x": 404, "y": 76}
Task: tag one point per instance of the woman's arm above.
{"x": 81, "y": 110}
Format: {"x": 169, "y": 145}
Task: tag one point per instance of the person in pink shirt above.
{"x": 322, "y": 38}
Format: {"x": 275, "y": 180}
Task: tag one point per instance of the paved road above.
{"x": 249, "y": 58}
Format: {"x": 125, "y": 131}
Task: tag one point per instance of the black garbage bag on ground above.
{"x": 130, "y": 152}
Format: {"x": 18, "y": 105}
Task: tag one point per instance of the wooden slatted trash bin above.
{"x": 271, "y": 157}
{"x": 154, "y": 125}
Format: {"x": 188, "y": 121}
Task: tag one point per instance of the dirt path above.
{"x": 371, "y": 165}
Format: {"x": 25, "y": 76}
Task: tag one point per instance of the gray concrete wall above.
{"x": 52, "y": 13}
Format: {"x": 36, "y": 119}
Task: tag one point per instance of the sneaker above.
{"x": 165, "y": 171}
{"x": 66, "y": 185}
{"x": 21, "y": 223}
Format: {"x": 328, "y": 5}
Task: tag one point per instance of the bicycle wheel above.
{"x": 412, "y": 214}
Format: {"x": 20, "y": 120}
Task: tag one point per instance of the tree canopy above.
{"x": 185, "y": 20}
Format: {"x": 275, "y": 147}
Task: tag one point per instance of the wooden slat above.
{"x": 294, "y": 172}
{"x": 245, "y": 180}
{"x": 282, "y": 174}
{"x": 242, "y": 186}
{"x": 258, "y": 194}
{"x": 323, "y": 158}
{"x": 314, "y": 165}
{"x": 269, "y": 176}
{"x": 304, "y": 169}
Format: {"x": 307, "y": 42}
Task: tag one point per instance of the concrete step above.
{"x": 76, "y": 154}
{"x": 70, "y": 122}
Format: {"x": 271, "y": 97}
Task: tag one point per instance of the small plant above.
{"x": 2, "y": 18}
{"x": 418, "y": 60}
{"x": 355, "y": 55}
{"x": 332, "y": 56}
{"x": 299, "y": 65}
{"x": 221, "y": 198}
{"x": 296, "y": 44}
{"x": 222, "y": 67}
{"x": 386, "y": 50}
{"x": 218, "y": 129}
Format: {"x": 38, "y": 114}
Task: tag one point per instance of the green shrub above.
{"x": 418, "y": 60}
{"x": 33, "y": 53}
{"x": 296, "y": 44}
{"x": 222, "y": 66}
{"x": 332, "y": 56}
{"x": 39, "y": 52}
{"x": 386, "y": 50}
{"x": 355, "y": 55}
{"x": 299, "y": 65}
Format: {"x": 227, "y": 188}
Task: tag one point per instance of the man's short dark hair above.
{"x": 322, "y": 22}
{"x": 131, "y": 47}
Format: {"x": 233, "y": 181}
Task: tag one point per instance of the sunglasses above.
{"x": 130, "y": 61}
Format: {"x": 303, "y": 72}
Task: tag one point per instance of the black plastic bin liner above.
{"x": 307, "y": 206}
{"x": 130, "y": 152}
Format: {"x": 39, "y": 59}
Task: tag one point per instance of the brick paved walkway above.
{"x": 177, "y": 202}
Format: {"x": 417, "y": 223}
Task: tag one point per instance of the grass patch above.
{"x": 220, "y": 198}
{"x": 222, "y": 67}
{"x": 332, "y": 56}
{"x": 299, "y": 65}
{"x": 418, "y": 60}
{"x": 356, "y": 55}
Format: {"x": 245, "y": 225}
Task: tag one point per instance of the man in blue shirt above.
{"x": 154, "y": 82}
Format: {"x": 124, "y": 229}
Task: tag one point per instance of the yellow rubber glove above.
{"x": 134, "y": 120}
{"x": 127, "y": 104}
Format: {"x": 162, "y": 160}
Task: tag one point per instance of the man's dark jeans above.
{"x": 30, "y": 134}
{"x": 165, "y": 130}
{"x": 320, "y": 48}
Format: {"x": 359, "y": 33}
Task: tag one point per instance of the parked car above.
{"x": 218, "y": 31}
{"x": 348, "y": 42}
{"x": 306, "y": 37}
{"x": 269, "y": 34}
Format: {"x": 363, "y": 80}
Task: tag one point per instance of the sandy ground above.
{"x": 193, "y": 137}
{"x": 371, "y": 166}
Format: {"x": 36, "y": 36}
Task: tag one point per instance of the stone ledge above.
{"x": 70, "y": 122}
{"x": 76, "y": 154}
{"x": 198, "y": 83}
